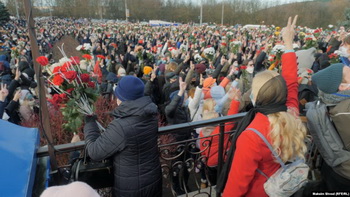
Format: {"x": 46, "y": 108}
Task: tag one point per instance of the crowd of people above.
{"x": 172, "y": 75}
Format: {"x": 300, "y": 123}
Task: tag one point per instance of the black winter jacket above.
{"x": 131, "y": 139}
{"x": 177, "y": 114}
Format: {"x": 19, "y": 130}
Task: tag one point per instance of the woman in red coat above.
{"x": 275, "y": 98}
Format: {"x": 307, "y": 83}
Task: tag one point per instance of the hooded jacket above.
{"x": 131, "y": 140}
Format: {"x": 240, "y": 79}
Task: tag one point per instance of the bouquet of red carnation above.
{"x": 333, "y": 58}
{"x": 223, "y": 48}
{"x": 76, "y": 93}
{"x": 317, "y": 32}
{"x": 310, "y": 41}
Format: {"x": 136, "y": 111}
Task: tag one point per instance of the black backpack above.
{"x": 306, "y": 93}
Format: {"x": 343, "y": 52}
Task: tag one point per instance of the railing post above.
{"x": 221, "y": 152}
{"x": 44, "y": 114}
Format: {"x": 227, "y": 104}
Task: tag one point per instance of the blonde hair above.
{"x": 287, "y": 130}
{"x": 171, "y": 67}
{"x": 287, "y": 135}
{"x": 209, "y": 104}
{"x": 347, "y": 39}
{"x": 209, "y": 115}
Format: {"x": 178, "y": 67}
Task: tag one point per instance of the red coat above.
{"x": 251, "y": 152}
{"x": 212, "y": 153}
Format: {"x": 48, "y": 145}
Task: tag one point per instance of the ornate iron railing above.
{"x": 184, "y": 162}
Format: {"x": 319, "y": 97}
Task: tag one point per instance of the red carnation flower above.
{"x": 75, "y": 60}
{"x": 42, "y": 60}
{"x": 87, "y": 57}
{"x": 63, "y": 97}
{"x": 65, "y": 67}
{"x": 332, "y": 56}
{"x": 85, "y": 78}
{"x": 57, "y": 80}
{"x": 70, "y": 75}
{"x": 243, "y": 67}
{"x": 57, "y": 69}
{"x": 101, "y": 56}
{"x": 308, "y": 38}
{"x": 317, "y": 31}
{"x": 91, "y": 84}
{"x": 114, "y": 45}
{"x": 56, "y": 99}
{"x": 223, "y": 44}
{"x": 70, "y": 90}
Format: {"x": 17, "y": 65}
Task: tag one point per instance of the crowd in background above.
{"x": 191, "y": 73}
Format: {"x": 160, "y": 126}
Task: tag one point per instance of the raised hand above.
{"x": 234, "y": 93}
{"x": 154, "y": 75}
{"x": 192, "y": 66}
{"x": 17, "y": 95}
{"x": 201, "y": 79}
{"x": 183, "y": 86}
{"x": 223, "y": 60}
{"x": 288, "y": 33}
{"x": 3, "y": 92}
{"x": 18, "y": 74}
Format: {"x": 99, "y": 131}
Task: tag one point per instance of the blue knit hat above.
{"x": 329, "y": 79}
{"x": 217, "y": 93}
{"x": 129, "y": 88}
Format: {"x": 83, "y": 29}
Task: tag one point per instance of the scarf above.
{"x": 271, "y": 99}
{"x": 266, "y": 110}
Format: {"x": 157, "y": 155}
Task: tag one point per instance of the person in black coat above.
{"x": 176, "y": 113}
{"x": 131, "y": 140}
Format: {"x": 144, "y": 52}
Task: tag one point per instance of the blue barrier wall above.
{"x": 18, "y": 146}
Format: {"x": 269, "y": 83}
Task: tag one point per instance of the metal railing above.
{"x": 65, "y": 148}
{"x": 183, "y": 162}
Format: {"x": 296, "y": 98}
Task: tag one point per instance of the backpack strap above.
{"x": 270, "y": 147}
